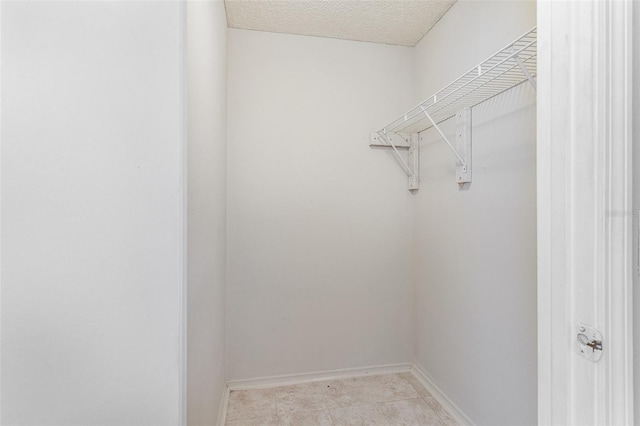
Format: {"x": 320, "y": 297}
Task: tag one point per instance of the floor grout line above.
{"x": 275, "y": 401}
{"x": 443, "y": 420}
{"x": 331, "y": 417}
{"x": 362, "y": 389}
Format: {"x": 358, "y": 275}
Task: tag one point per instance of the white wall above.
{"x": 636, "y": 204}
{"x": 319, "y": 225}
{"x": 207, "y": 82}
{"x": 475, "y": 249}
{"x": 91, "y": 213}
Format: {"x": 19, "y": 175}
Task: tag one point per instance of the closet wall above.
{"x": 474, "y": 264}
{"x": 636, "y": 205}
{"x": 319, "y": 225}
{"x": 333, "y": 264}
{"x": 92, "y": 228}
{"x": 207, "y": 208}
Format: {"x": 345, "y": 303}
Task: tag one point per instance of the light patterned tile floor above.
{"x": 387, "y": 399}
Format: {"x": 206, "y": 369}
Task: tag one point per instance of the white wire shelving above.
{"x": 512, "y": 65}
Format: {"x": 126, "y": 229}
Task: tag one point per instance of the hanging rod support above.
{"x": 444, "y": 138}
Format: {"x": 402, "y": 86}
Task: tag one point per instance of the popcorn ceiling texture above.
{"x": 400, "y": 22}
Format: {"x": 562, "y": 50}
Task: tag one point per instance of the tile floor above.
{"x": 389, "y": 399}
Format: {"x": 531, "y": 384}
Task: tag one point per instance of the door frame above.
{"x": 585, "y": 216}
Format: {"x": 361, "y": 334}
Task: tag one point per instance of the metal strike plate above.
{"x": 588, "y": 342}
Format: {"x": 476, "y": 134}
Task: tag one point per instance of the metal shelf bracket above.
{"x": 462, "y": 150}
{"x": 463, "y": 145}
{"x": 414, "y": 162}
{"x": 510, "y": 66}
{"x": 402, "y": 141}
{"x": 524, "y": 69}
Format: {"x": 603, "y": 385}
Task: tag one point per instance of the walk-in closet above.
{"x": 317, "y": 212}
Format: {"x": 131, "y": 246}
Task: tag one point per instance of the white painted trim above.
{"x": 289, "y": 379}
{"x": 552, "y": 400}
{"x": 584, "y": 181}
{"x": 454, "y": 411}
{"x": 0, "y": 217}
{"x": 617, "y": 400}
{"x": 183, "y": 299}
{"x": 224, "y": 402}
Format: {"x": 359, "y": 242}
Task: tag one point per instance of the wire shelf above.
{"x": 507, "y": 68}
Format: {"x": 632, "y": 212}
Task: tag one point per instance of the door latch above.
{"x": 588, "y": 342}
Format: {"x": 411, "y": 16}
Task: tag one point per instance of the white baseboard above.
{"x": 262, "y": 382}
{"x": 289, "y": 379}
{"x": 454, "y": 411}
{"x": 224, "y": 402}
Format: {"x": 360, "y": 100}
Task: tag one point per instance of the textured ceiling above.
{"x": 402, "y": 22}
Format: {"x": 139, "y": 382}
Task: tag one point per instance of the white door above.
{"x": 585, "y": 214}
